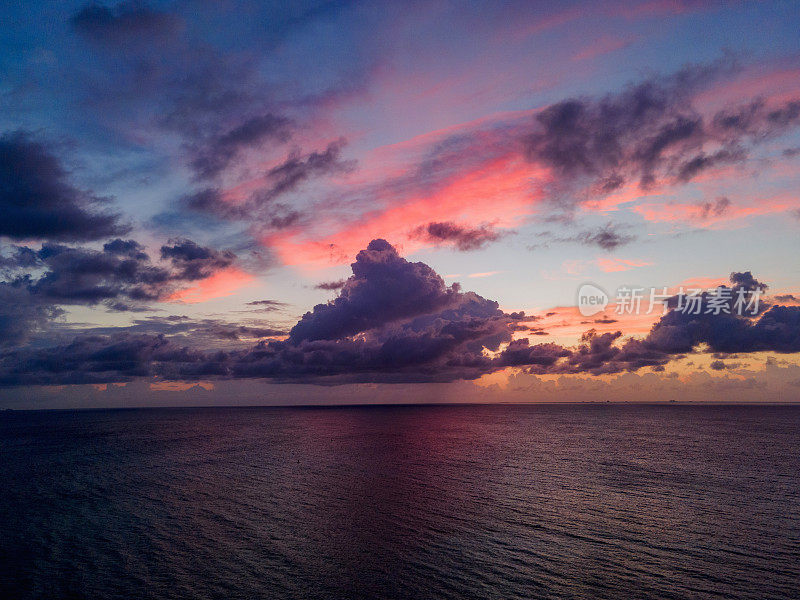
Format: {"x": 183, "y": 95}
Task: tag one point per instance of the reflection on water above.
{"x": 402, "y": 502}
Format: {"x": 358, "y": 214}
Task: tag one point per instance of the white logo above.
{"x": 591, "y": 299}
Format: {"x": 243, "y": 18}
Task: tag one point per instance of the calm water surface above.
{"x": 401, "y": 502}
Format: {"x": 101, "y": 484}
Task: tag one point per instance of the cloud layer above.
{"x": 395, "y": 321}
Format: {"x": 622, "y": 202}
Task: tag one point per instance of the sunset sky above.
{"x": 221, "y": 202}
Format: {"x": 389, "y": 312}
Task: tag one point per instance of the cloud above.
{"x": 37, "y": 201}
{"x": 179, "y": 329}
{"x": 217, "y": 154}
{"x": 651, "y": 132}
{"x": 153, "y": 71}
{"x": 393, "y": 321}
{"x": 460, "y": 237}
{"x": 21, "y": 315}
{"x": 36, "y": 282}
{"x": 608, "y": 237}
{"x": 384, "y": 287}
{"x": 193, "y": 261}
{"x": 592, "y": 152}
{"x": 125, "y": 23}
{"x": 104, "y": 359}
{"x": 297, "y": 169}
{"x": 260, "y": 206}
{"x": 648, "y": 132}
{"x": 76, "y": 275}
{"x": 615, "y": 265}
{"x": 267, "y": 304}
{"x": 717, "y": 208}
{"x": 331, "y": 285}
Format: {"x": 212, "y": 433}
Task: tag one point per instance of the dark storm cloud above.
{"x": 84, "y": 276}
{"x": 128, "y": 248}
{"x": 37, "y": 200}
{"x": 102, "y": 359}
{"x": 540, "y": 356}
{"x": 121, "y": 276}
{"x": 651, "y": 132}
{"x": 440, "y": 346}
{"x": 193, "y": 261}
{"x": 597, "y": 355}
{"x": 460, "y": 237}
{"x": 179, "y": 329}
{"x": 776, "y": 330}
{"x": 394, "y": 321}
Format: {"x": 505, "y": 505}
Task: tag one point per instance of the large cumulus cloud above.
{"x": 383, "y": 288}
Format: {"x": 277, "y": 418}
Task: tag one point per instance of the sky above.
{"x": 223, "y": 202}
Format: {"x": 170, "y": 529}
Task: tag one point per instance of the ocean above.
{"x": 503, "y": 501}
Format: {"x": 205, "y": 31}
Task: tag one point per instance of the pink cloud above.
{"x": 566, "y": 322}
{"x": 614, "y": 265}
{"x": 773, "y": 84}
{"x": 697, "y": 216}
{"x": 501, "y": 192}
{"x": 222, "y": 283}
{"x": 484, "y": 274}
